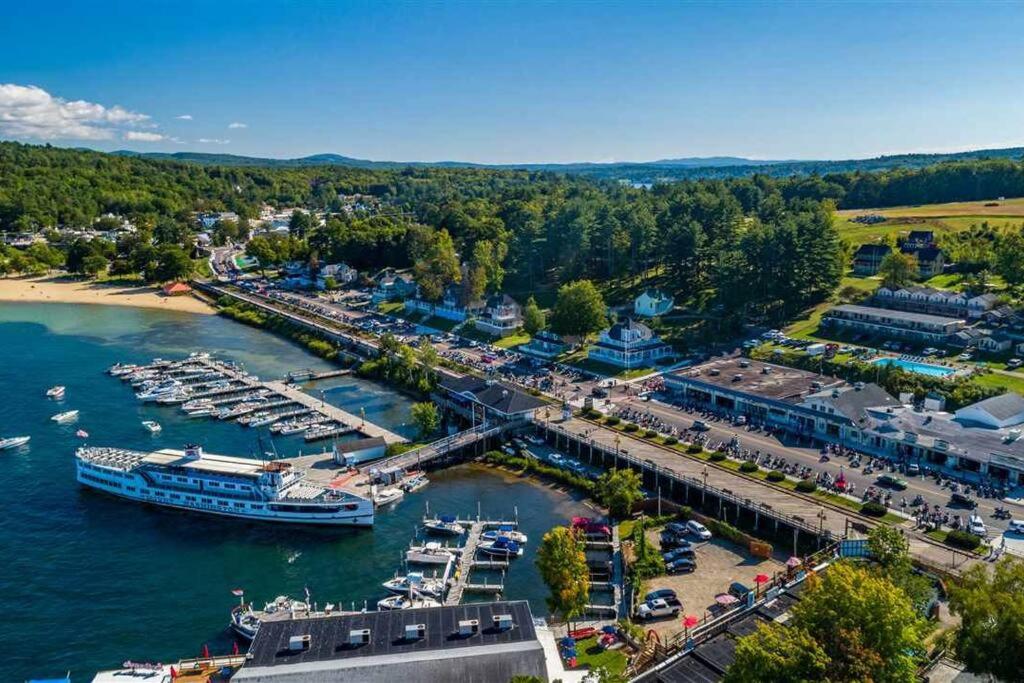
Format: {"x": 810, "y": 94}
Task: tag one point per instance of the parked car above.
{"x": 698, "y": 425}
{"x": 892, "y": 482}
{"x": 930, "y": 351}
{"x": 964, "y": 500}
{"x": 698, "y": 530}
{"x": 1014, "y": 363}
{"x": 657, "y": 609}
{"x": 1017, "y": 526}
{"x": 913, "y": 469}
{"x": 666, "y": 594}
{"x": 677, "y": 528}
{"x": 738, "y": 589}
{"x": 740, "y": 420}
{"x": 679, "y": 553}
{"x": 976, "y": 526}
{"x": 670, "y": 541}
{"x": 684, "y": 565}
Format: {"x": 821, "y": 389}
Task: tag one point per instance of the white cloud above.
{"x": 28, "y": 111}
{"x": 214, "y": 141}
{"x": 141, "y": 136}
{"x": 184, "y": 117}
{"x": 236, "y": 124}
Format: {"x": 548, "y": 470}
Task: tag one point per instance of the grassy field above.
{"x": 590, "y": 655}
{"x": 857, "y": 233}
{"x": 1004, "y": 207}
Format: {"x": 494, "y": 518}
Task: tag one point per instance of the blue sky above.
{"x": 515, "y": 82}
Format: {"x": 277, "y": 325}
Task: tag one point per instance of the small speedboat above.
{"x": 445, "y": 524}
{"x": 244, "y": 622}
{"x": 405, "y": 602}
{"x": 118, "y": 369}
{"x": 55, "y": 392}
{"x": 505, "y": 530}
{"x": 153, "y": 427}
{"x": 13, "y": 442}
{"x": 66, "y": 416}
{"x": 429, "y": 553}
{"x": 502, "y": 546}
{"x": 401, "y": 585}
{"x": 388, "y": 496}
{"x": 415, "y": 483}
{"x": 82, "y": 434}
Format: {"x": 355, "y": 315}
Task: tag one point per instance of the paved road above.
{"x": 722, "y": 431}
{"x": 786, "y": 502}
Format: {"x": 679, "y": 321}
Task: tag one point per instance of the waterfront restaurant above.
{"x": 982, "y": 438}
{"x": 479, "y": 400}
{"x": 486, "y": 641}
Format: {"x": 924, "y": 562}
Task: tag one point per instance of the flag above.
{"x": 206, "y": 651}
{"x": 237, "y": 592}
{"x": 234, "y": 648}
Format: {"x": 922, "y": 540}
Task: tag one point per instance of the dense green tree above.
{"x": 778, "y": 654}
{"x": 1009, "y": 257}
{"x": 172, "y": 263}
{"x": 426, "y": 418}
{"x": 533, "y": 318}
{"x": 438, "y": 266}
{"x": 990, "y": 604}
{"x": 579, "y": 309}
{"x": 300, "y": 224}
{"x": 563, "y": 568}
{"x": 619, "y": 490}
{"x": 898, "y": 269}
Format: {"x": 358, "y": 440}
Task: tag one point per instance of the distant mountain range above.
{"x": 640, "y": 172}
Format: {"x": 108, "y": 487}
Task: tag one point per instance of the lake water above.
{"x": 89, "y": 580}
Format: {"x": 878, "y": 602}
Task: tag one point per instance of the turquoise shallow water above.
{"x": 89, "y": 581}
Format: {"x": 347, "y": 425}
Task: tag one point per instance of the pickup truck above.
{"x": 659, "y": 608}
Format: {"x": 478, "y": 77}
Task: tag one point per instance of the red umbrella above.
{"x": 689, "y": 621}
{"x": 762, "y": 578}
{"x": 206, "y": 651}
{"x": 234, "y": 649}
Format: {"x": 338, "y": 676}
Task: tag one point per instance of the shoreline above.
{"x": 64, "y": 290}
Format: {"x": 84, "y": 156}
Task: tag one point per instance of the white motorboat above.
{"x": 394, "y": 602}
{"x": 118, "y": 369}
{"x": 55, "y": 392}
{"x": 246, "y": 622}
{"x": 388, "y": 496}
{"x": 502, "y": 546}
{"x": 153, "y": 427}
{"x": 401, "y": 585}
{"x": 445, "y": 524}
{"x": 66, "y": 416}
{"x": 429, "y": 553}
{"x": 505, "y": 530}
{"x": 415, "y": 483}
{"x": 13, "y": 442}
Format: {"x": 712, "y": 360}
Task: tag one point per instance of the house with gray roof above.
{"x": 629, "y": 344}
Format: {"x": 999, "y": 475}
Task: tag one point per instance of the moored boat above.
{"x": 388, "y": 496}
{"x": 153, "y": 427}
{"x": 401, "y": 585}
{"x": 395, "y": 602}
{"x": 429, "y": 553}
{"x": 13, "y": 442}
{"x": 415, "y": 483}
{"x": 502, "y": 546}
{"x": 504, "y": 530}
{"x": 445, "y": 524}
{"x": 55, "y": 392}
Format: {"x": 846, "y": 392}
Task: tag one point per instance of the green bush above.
{"x": 591, "y": 414}
{"x": 611, "y": 420}
{"x": 748, "y": 467}
{"x": 532, "y": 466}
{"x": 806, "y": 486}
{"x": 694, "y": 448}
{"x": 962, "y": 540}
{"x": 776, "y": 476}
{"x": 717, "y": 456}
{"x": 671, "y": 441}
{"x": 650, "y": 434}
{"x": 631, "y": 428}
{"x": 726, "y": 531}
{"x": 873, "y": 509}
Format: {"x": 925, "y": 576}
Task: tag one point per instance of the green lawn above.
{"x": 470, "y": 332}
{"x": 391, "y": 307}
{"x": 995, "y": 379}
{"x": 590, "y": 655}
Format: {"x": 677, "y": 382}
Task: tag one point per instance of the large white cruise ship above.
{"x": 219, "y": 485}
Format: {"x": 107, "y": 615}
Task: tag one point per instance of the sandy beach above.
{"x": 62, "y": 290}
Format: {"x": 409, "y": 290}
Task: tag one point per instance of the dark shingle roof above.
{"x": 329, "y": 636}
{"x": 872, "y": 250}
{"x": 618, "y": 330}
{"x": 852, "y": 402}
{"x": 498, "y": 396}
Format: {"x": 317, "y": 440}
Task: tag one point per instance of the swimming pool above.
{"x": 914, "y": 366}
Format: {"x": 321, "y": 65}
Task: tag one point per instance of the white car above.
{"x": 698, "y": 530}
{"x": 977, "y": 526}
{"x": 1017, "y": 526}
{"x": 964, "y": 356}
{"x": 930, "y": 351}
{"x": 1014, "y": 363}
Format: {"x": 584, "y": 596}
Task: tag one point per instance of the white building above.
{"x": 653, "y": 302}
{"x": 501, "y": 316}
{"x": 629, "y": 344}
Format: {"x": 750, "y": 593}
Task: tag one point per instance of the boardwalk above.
{"x": 334, "y": 412}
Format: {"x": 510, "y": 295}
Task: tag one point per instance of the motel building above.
{"x": 980, "y": 440}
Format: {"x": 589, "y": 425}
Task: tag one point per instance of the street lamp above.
{"x": 618, "y": 440}
{"x": 704, "y": 491}
{"x": 821, "y": 523}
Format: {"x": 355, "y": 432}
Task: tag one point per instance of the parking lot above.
{"x": 719, "y": 564}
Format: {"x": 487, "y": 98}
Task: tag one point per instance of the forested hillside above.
{"x": 756, "y": 246}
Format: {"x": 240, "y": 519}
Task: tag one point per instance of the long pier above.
{"x": 468, "y": 561}
{"x": 333, "y": 412}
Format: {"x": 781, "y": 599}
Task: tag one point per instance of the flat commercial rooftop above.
{"x": 892, "y": 314}
{"x": 329, "y": 636}
{"x": 217, "y": 464}
{"x": 779, "y": 382}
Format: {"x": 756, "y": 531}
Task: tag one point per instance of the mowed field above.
{"x": 941, "y": 218}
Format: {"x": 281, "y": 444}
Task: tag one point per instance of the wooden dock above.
{"x": 334, "y": 412}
